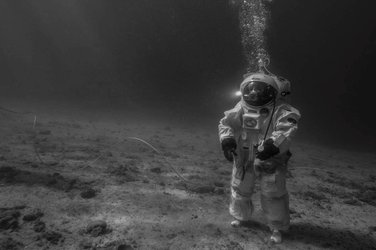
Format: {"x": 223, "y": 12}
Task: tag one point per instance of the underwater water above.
{"x": 189, "y": 57}
{"x": 80, "y": 78}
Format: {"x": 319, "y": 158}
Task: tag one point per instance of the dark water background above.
{"x": 185, "y": 58}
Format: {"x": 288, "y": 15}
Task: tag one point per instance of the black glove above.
{"x": 228, "y": 147}
{"x": 269, "y": 150}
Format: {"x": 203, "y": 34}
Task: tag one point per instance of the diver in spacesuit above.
{"x": 256, "y": 136}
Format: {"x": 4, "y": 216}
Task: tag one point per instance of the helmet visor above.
{"x": 258, "y": 93}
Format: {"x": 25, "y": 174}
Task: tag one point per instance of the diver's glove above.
{"x": 267, "y": 150}
{"x": 229, "y": 147}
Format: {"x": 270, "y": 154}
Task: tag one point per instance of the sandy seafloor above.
{"x": 92, "y": 188}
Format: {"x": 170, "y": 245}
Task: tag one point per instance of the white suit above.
{"x": 274, "y": 196}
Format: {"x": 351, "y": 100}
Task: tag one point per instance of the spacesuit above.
{"x": 256, "y": 136}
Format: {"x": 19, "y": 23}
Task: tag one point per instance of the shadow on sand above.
{"x": 12, "y": 175}
{"x": 319, "y": 236}
{"x": 329, "y": 237}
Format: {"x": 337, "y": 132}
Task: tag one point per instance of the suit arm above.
{"x": 285, "y": 127}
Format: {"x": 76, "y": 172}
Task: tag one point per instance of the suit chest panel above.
{"x": 254, "y": 125}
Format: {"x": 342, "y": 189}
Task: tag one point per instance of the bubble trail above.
{"x": 254, "y": 16}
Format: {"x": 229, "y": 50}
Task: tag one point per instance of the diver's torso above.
{"x": 255, "y": 123}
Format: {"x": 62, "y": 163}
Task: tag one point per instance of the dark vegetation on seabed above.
{"x": 186, "y": 57}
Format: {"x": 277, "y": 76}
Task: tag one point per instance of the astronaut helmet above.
{"x": 258, "y": 90}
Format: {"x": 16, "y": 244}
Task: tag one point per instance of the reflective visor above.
{"x": 258, "y": 93}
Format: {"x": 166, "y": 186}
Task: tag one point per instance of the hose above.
{"x": 270, "y": 121}
{"x": 163, "y": 157}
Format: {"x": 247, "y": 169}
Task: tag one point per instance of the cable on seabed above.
{"x": 164, "y": 158}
